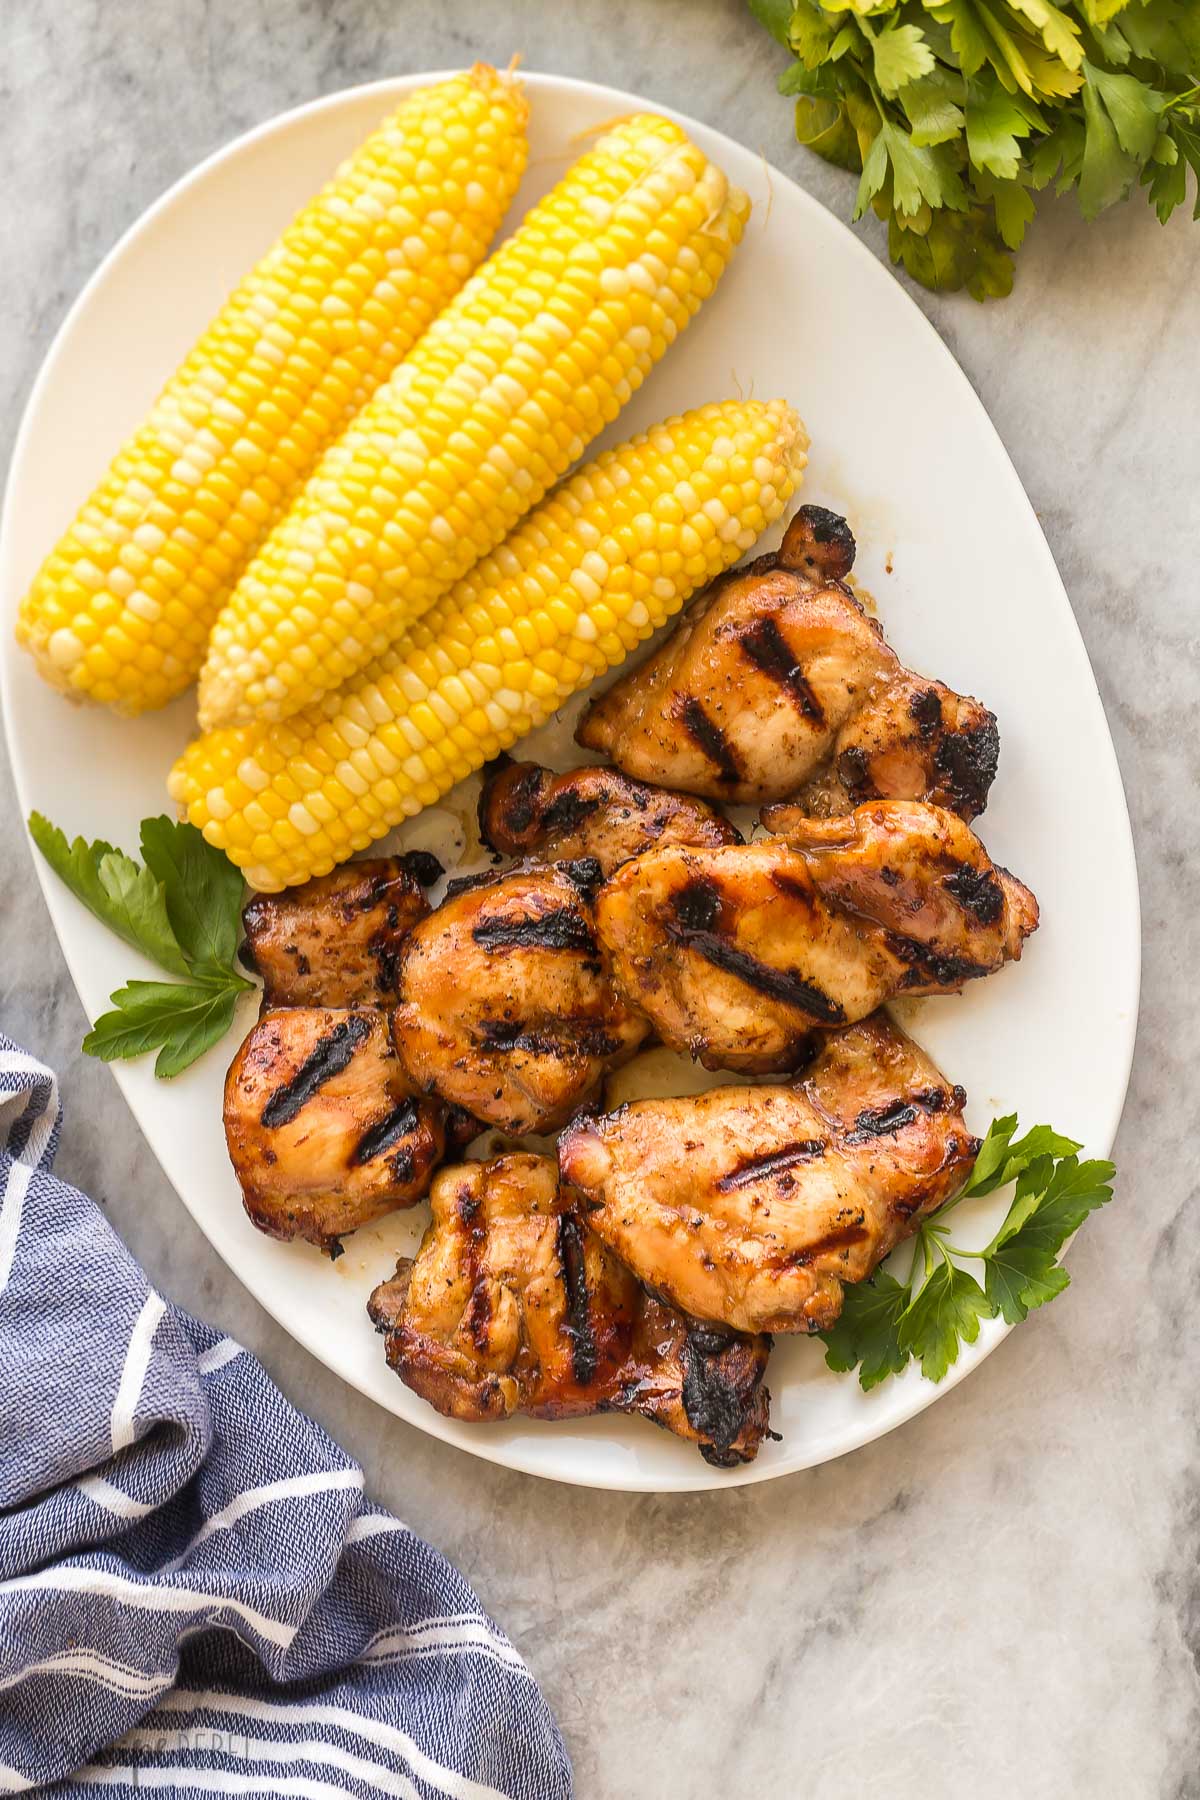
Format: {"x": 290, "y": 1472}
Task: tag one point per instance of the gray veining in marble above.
{"x": 1004, "y": 1597}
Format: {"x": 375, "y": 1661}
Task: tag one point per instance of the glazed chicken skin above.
{"x": 921, "y": 875}
{"x": 593, "y": 813}
{"x": 913, "y": 739}
{"x": 776, "y": 685}
{"x": 737, "y": 954}
{"x": 506, "y": 1006}
{"x": 333, "y": 941}
{"x": 324, "y": 1131}
{"x": 754, "y": 1206}
{"x": 511, "y": 1305}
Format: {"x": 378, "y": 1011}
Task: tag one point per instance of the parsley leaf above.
{"x": 776, "y": 15}
{"x": 923, "y": 173}
{"x": 901, "y": 54}
{"x": 1177, "y": 150}
{"x": 203, "y": 891}
{"x": 1051, "y": 1202}
{"x": 1187, "y": 138}
{"x": 1061, "y": 149}
{"x": 1108, "y": 169}
{"x": 128, "y": 899}
{"x": 1133, "y": 108}
{"x": 798, "y": 79}
{"x": 1156, "y": 32}
{"x": 968, "y": 39}
{"x": 1065, "y": 1192}
{"x": 184, "y": 1018}
{"x": 1008, "y": 51}
{"x": 1020, "y": 1277}
{"x": 885, "y": 1322}
{"x": 1098, "y": 12}
{"x": 1058, "y": 32}
{"x": 823, "y": 125}
{"x": 946, "y": 1311}
{"x": 1112, "y": 45}
{"x": 959, "y": 250}
{"x": 1012, "y": 204}
{"x": 995, "y": 123}
{"x": 1001, "y": 1159}
{"x": 811, "y": 34}
{"x": 920, "y": 175}
{"x": 1051, "y": 78}
{"x": 866, "y": 1331}
{"x": 1166, "y": 174}
{"x": 934, "y": 107}
{"x": 181, "y": 907}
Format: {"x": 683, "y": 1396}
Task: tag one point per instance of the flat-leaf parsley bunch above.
{"x": 955, "y": 112}
{"x": 886, "y": 1323}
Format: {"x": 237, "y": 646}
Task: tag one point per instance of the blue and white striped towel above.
{"x": 195, "y": 1597}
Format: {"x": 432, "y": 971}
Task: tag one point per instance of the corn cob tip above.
{"x": 502, "y": 83}
{"x": 604, "y": 561}
{"x": 792, "y": 441}
{"x": 121, "y": 609}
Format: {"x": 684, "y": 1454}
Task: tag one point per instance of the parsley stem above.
{"x": 872, "y": 86}
{"x": 950, "y": 1250}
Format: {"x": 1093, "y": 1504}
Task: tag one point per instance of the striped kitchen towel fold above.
{"x": 195, "y": 1596}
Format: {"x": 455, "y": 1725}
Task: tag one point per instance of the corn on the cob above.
{"x": 122, "y": 608}
{"x": 535, "y": 356}
{"x": 603, "y": 562}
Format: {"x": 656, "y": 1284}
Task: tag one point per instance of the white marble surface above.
{"x": 1003, "y": 1598}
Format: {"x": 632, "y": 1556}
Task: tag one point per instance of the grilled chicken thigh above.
{"x": 776, "y": 684}
{"x": 752, "y": 1206}
{"x": 592, "y": 813}
{"x": 736, "y": 954}
{"x": 333, "y": 941}
{"x": 324, "y": 1131}
{"x": 513, "y": 1306}
{"x": 506, "y": 1006}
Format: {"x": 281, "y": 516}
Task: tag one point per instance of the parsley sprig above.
{"x": 885, "y": 1322}
{"x": 180, "y": 906}
{"x": 956, "y": 112}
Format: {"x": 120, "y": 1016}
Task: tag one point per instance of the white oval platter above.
{"x": 966, "y": 587}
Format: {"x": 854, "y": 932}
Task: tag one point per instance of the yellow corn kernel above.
{"x": 534, "y": 357}
{"x": 462, "y": 685}
{"x": 122, "y": 607}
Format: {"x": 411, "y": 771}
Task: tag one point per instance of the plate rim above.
{"x": 917, "y": 1395}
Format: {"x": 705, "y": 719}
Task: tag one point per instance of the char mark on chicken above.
{"x": 324, "y": 1131}
{"x": 754, "y": 1206}
{"x": 506, "y": 1006}
{"x": 591, "y": 813}
{"x": 775, "y": 684}
{"x": 512, "y": 1305}
{"x": 333, "y": 941}
{"x": 737, "y": 954}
